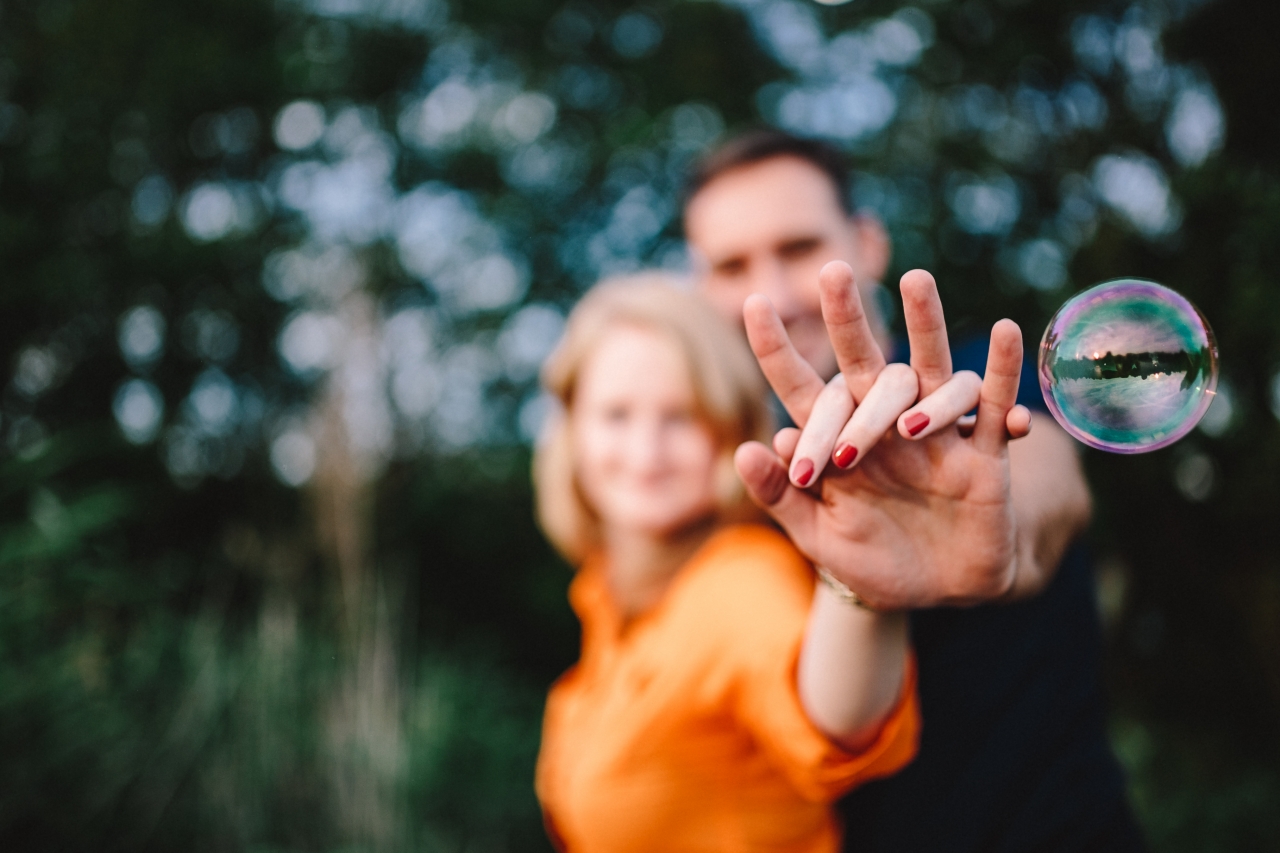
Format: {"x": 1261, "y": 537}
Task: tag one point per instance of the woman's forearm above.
{"x": 851, "y": 667}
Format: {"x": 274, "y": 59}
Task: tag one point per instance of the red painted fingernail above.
{"x": 844, "y": 455}
{"x": 803, "y": 472}
{"x": 916, "y": 423}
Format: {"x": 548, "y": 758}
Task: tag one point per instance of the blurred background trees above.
{"x": 277, "y": 279}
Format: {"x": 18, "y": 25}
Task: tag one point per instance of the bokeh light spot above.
{"x": 138, "y": 407}
{"x": 299, "y": 125}
{"x": 310, "y": 341}
{"x": 141, "y": 336}
{"x": 1136, "y": 187}
{"x": 37, "y": 370}
{"x": 635, "y": 35}
{"x": 293, "y": 457}
{"x": 1195, "y": 127}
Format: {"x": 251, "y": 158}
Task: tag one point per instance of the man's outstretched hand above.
{"x": 927, "y": 517}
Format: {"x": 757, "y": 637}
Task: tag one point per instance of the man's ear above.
{"x": 873, "y": 250}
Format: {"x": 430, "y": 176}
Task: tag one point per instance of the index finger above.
{"x": 792, "y": 378}
{"x": 999, "y": 387}
{"x": 926, "y": 330}
{"x": 856, "y": 350}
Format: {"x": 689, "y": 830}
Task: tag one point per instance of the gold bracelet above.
{"x": 845, "y": 594}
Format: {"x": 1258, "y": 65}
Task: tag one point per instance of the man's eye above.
{"x": 730, "y": 268}
{"x": 800, "y": 248}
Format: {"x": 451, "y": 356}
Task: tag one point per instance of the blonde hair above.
{"x": 729, "y": 393}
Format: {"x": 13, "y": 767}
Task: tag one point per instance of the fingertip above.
{"x": 969, "y": 380}
{"x": 761, "y": 472}
{"x": 756, "y": 307}
{"x": 1018, "y": 422}
{"x": 835, "y": 274}
{"x": 912, "y": 423}
{"x": 1007, "y": 335}
{"x": 920, "y": 300}
{"x": 805, "y": 472}
{"x": 900, "y": 374}
{"x": 743, "y": 455}
{"x": 1007, "y": 327}
{"x": 835, "y": 283}
{"x": 913, "y": 282}
{"x": 784, "y": 443}
{"x": 764, "y": 329}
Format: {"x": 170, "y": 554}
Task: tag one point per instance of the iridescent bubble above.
{"x": 1128, "y": 366}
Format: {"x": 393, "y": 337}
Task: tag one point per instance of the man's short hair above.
{"x": 755, "y": 146}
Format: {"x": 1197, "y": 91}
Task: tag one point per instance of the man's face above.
{"x": 769, "y": 227}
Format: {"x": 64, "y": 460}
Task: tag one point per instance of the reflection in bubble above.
{"x": 1128, "y": 366}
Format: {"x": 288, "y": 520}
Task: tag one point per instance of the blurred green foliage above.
{"x": 225, "y": 624}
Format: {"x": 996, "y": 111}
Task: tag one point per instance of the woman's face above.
{"x": 645, "y": 461}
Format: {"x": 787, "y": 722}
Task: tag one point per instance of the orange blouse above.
{"x": 684, "y": 731}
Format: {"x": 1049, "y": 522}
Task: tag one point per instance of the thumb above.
{"x": 768, "y": 484}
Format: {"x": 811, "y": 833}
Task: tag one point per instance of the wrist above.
{"x": 842, "y": 590}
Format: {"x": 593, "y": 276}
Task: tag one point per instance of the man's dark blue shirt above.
{"x": 1014, "y": 753}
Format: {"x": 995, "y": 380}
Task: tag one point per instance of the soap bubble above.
{"x": 1128, "y": 366}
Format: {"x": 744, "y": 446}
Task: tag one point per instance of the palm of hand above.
{"x": 918, "y": 523}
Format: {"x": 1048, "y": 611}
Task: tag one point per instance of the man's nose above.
{"x": 772, "y": 281}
